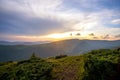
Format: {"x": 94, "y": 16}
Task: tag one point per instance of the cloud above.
{"x": 78, "y": 34}
{"x": 24, "y": 18}
{"x": 116, "y": 21}
{"x": 17, "y": 23}
{"x": 106, "y": 36}
{"x": 95, "y": 38}
{"x": 41, "y": 17}
{"x": 38, "y": 17}
{"x": 91, "y": 34}
{"x": 117, "y": 36}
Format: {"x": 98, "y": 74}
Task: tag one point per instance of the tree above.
{"x": 33, "y": 56}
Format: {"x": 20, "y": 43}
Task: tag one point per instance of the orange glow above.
{"x": 61, "y": 36}
{"x": 57, "y": 36}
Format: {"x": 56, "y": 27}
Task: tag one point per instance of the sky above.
{"x": 50, "y": 20}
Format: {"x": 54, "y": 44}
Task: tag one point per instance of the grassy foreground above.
{"x": 101, "y": 64}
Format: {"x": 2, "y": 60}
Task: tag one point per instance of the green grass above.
{"x": 96, "y": 65}
{"x": 68, "y": 67}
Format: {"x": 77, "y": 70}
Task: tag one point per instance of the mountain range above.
{"x": 22, "y": 43}
{"x": 13, "y": 52}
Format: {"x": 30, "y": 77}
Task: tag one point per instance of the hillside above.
{"x": 69, "y": 47}
{"x": 22, "y": 43}
{"x": 103, "y": 64}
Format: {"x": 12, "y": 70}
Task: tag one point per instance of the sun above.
{"x": 58, "y": 36}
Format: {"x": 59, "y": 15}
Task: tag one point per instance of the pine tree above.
{"x": 33, "y": 56}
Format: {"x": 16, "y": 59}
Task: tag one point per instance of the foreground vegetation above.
{"x": 101, "y": 64}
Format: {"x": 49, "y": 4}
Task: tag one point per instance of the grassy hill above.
{"x": 101, "y": 64}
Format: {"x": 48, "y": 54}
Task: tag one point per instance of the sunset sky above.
{"x": 50, "y": 20}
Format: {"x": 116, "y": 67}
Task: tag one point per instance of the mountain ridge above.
{"x": 22, "y": 43}
{"x": 68, "y": 47}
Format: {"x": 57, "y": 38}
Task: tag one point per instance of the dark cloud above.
{"x": 91, "y": 34}
{"x": 106, "y": 36}
{"x": 117, "y": 36}
{"x": 71, "y": 34}
{"x": 95, "y": 37}
{"x": 19, "y": 23}
{"x": 78, "y": 34}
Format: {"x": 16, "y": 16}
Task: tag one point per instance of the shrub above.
{"x": 60, "y": 56}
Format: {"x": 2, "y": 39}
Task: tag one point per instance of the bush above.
{"x": 60, "y": 56}
{"x": 28, "y": 70}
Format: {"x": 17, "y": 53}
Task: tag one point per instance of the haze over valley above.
{"x": 13, "y": 52}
